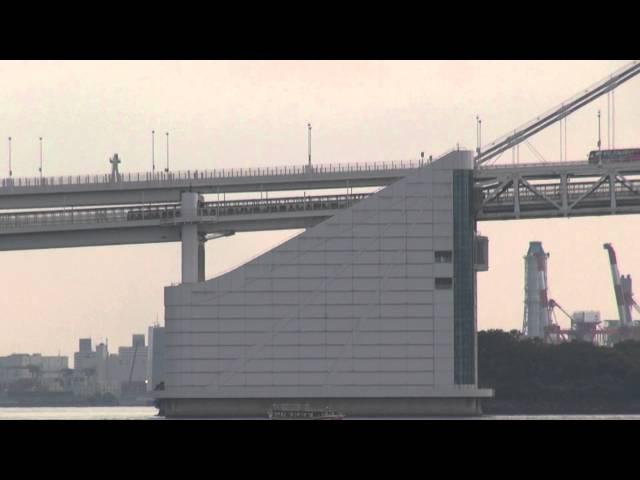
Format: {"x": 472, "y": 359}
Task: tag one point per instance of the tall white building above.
{"x": 371, "y": 312}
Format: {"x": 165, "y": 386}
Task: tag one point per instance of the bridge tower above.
{"x": 536, "y": 304}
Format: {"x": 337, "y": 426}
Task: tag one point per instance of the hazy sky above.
{"x": 229, "y": 114}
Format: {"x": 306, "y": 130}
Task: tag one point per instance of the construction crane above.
{"x": 133, "y": 362}
{"x": 627, "y": 291}
{"x": 621, "y": 288}
{"x": 554, "y": 333}
{"x": 553, "y": 304}
{"x": 629, "y": 295}
{"x": 541, "y": 122}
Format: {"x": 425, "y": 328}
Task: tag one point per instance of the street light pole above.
{"x": 478, "y": 134}
{"x": 153, "y": 144}
{"x": 309, "y": 127}
{"x": 10, "y": 171}
{"x": 599, "y": 139}
{"x": 40, "y": 169}
{"x": 167, "y": 169}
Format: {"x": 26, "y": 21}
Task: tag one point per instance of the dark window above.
{"x": 444, "y": 256}
{"x": 444, "y": 283}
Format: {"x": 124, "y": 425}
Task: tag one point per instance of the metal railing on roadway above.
{"x": 504, "y": 166}
{"x": 190, "y": 175}
{"x": 169, "y": 213}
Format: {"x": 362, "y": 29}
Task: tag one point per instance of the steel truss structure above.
{"x": 566, "y": 189}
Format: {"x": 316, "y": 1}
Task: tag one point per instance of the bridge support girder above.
{"x": 192, "y": 241}
{"x": 558, "y": 191}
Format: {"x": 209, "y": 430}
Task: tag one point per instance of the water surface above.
{"x": 151, "y": 413}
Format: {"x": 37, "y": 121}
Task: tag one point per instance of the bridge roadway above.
{"x": 503, "y": 192}
{"x": 161, "y": 223}
{"x": 144, "y": 188}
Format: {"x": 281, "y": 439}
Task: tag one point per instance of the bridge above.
{"x": 145, "y": 208}
{"x": 371, "y": 308}
{"x": 564, "y": 189}
{"x": 147, "y": 187}
{"x": 158, "y": 223}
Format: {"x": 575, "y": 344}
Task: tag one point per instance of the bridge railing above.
{"x": 318, "y": 202}
{"x": 505, "y": 166}
{"x": 169, "y": 213}
{"x": 83, "y": 216}
{"x": 196, "y": 175}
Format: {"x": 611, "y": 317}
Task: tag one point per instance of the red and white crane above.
{"x": 541, "y": 264}
{"x": 554, "y": 333}
{"x": 621, "y": 288}
{"x": 629, "y": 294}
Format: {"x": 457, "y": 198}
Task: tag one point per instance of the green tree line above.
{"x": 529, "y": 375}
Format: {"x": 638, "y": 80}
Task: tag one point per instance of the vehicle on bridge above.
{"x": 622, "y": 155}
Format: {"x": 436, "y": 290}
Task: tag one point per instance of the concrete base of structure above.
{"x": 350, "y": 407}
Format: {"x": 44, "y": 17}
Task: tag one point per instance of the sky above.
{"x": 223, "y": 114}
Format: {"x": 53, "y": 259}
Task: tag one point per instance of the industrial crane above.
{"x": 633, "y": 301}
{"x": 553, "y": 333}
{"x": 624, "y": 298}
{"x": 621, "y": 288}
{"x": 553, "y": 304}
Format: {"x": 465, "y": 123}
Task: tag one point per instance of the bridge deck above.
{"x": 581, "y": 190}
{"x": 153, "y": 224}
{"x": 504, "y": 192}
{"x": 95, "y": 190}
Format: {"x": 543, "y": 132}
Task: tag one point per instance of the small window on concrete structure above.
{"x": 444, "y": 256}
{"x": 444, "y": 283}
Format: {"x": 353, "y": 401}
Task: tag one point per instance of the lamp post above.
{"x": 478, "y": 134}
{"x": 167, "y": 169}
{"x": 40, "y": 169}
{"x": 599, "y": 139}
{"x": 309, "y": 140}
{"x": 10, "y": 171}
{"x": 153, "y": 144}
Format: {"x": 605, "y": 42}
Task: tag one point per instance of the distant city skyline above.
{"x": 240, "y": 114}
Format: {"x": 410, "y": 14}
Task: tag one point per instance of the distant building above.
{"x": 89, "y": 376}
{"x": 155, "y": 360}
{"x": 40, "y": 372}
{"x": 127, "y": 370}
{"x": 133, "y": 361}
{"x": 14, "y": 367}
{"x": 95, "y": 372}
{"x": 137, "y": 340}
{"x": 85, "y": 345}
